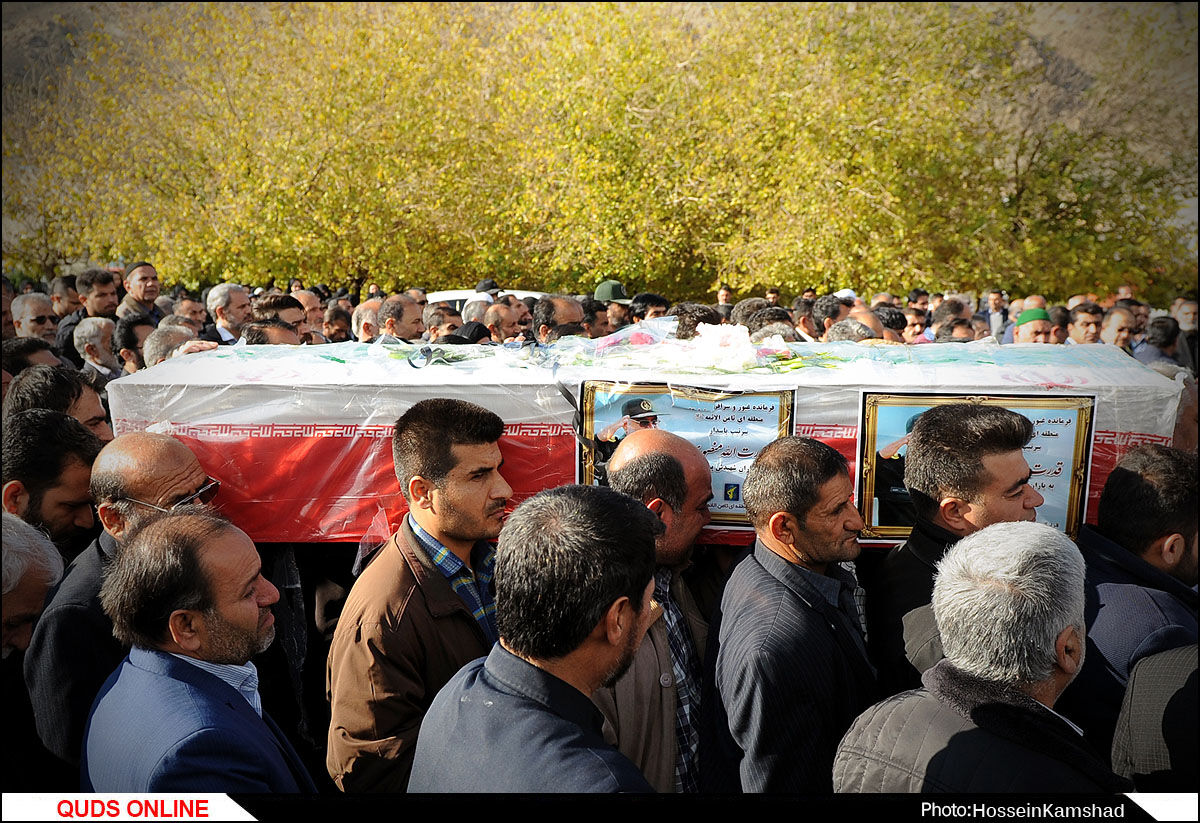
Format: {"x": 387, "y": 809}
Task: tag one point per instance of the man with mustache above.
{"x": 423, "y": 607}
{"x": 183, "y": 712}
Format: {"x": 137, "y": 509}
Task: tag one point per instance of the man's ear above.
{"x": 420, "y": 492}
{"x": 1068, "y": 649}
{"x": 128, "y": 355}
{"x": 187, "y": 628}
{"x": 112, "y": 520}
{"x": 953, "y": 511}
{"x": 665, "y": 513}
{"x": 1166, "y": 552}
{"x": 618, "y": 621}
{"x": 783, "y": 527}
{"x": 15, "y": 498}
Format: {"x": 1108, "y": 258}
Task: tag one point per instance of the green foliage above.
{"x": 671, "y": 146}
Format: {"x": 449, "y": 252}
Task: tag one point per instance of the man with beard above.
{"x": 183, "y": 712}
{"x": 653, "y": 713}
{"x": 574, "y": 577}
{"x": 73, "y": 650}
{"x": 93, "y": 340}
{"x": 48, "y": 460}
{"x": 787, "y": 668}
{"x": 423, "y": 607}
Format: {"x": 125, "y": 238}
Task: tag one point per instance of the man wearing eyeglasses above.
{"x": 135, "y": 477}
{"x": 33, "y": 316}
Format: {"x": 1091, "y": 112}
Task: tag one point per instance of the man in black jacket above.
{"x": 1009, "y": 603}
{"x": 73, "y": 649}
{"x": 965, "y": 470}
{"x": 98, "y": 294}
{"x": 788, "y": 670}
{"x": 1141, "y": 576}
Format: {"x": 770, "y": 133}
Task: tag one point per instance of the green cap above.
{"x": 1033, "y": 314}
{"x": 611, "y": 291}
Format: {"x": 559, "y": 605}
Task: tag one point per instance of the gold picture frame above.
{"x": 1066, "y": 512}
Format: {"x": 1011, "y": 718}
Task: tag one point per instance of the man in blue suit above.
{"x": 183, "y": 713}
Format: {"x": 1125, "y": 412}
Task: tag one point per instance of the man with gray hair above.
{"x": 93, "y": 340}
{"x": 365, "y": 321}
{"x": 1008, "y": 601}
{"x": 32, "y": 565}
{"x": 229, "y": 306}
{"x": 33, "y": 316}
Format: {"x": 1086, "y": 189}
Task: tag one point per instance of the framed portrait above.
{"x": 1058, "y": 454}
{"x": 729, "y": 427}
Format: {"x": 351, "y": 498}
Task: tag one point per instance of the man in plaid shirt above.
{"x": 424, "y": 606}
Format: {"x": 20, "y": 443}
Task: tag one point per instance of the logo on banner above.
{"x": 733, "y": 491}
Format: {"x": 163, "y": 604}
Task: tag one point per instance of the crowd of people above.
{"x": 586, "y": 640}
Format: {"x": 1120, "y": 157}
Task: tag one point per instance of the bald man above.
{"x": 652, "y": 712}
{"x": 73, "y": 650}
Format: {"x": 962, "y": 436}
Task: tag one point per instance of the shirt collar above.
{"x": 828, "y": 585}
{"x": 448, "y": 562}
{"x": 243, "y": 679}
{"x": 521, "y": 677}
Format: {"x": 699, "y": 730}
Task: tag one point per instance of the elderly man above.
{"x": 1118, "y": 328}
{"x": 423, "y": 607}
{"x": 574, "y": 573}
{"x": 1009, "y": 604}
{"x": 62, "y": 389}
{"x": 33, "y": 316}
{"x": 314, "y": 314}
{"x": 652, "y": 713}
{"x": 555, "y": 310}
{"x": 32, "y": 565}
{"x": 47, "y": 465}
{"x": 93, "y": 340}
{"x": 964, "y": 469}
{"x": 364, "y": 323}
{"x": 183, "y": 712}
{"x": 1034, "y": 326}
{"x": 142, "y": 293}
{"x": 501, "y": 322}
{"x": 229, "y": 306}
{"x": 98, "y": 294}
{"x": 400, "y": 318}
{"x": 1141, "y": 582}
{"x": 136, "y": 477}
{"x": 790, "y": 672}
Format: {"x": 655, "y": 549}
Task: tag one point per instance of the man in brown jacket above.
{"x": 423, "y": 607}
{"x": 652, "y": 712}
